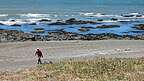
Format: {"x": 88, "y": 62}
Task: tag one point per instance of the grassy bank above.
{"x": 100, "y": 69}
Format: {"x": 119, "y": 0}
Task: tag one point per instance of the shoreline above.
{"x": 15, "y": 36}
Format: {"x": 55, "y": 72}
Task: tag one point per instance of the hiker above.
{"x": 40, "y": 55}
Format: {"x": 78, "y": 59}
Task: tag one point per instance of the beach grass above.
{"x": 99, "y": 69}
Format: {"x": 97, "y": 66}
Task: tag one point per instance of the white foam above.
{"x": 3, "y": 15}
{"x": 16, "y": 21}
{"x": 30, "y": 15}
{"x": 23, "y": 21}
{"x": 87, "y": 14}
{"x": 126, "y": 20}
{"x": 7, "y": 22}
{"x": 55, "y": 15}
{"x": 98, "y": 15}
{"x": 110, "y": 21}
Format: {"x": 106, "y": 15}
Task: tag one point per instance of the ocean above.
{"x": 59, "y": 6}
{"x": 65, "y": 9}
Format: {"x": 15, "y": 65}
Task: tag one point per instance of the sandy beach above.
{"x": 20, "y": 55}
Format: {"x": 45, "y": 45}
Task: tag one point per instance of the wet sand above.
{"x": 20, "y": 55}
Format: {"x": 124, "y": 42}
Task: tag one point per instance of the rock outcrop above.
{"x": 13, "y": 35}
{"x": 108, "y": 26}
{"x": 140, "y": 26}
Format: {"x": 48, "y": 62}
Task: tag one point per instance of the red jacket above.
{"x": 39, "y": 53}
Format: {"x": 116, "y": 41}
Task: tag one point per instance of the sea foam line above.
{"x": 3, "y": 15}
{"x": 34, "y": 15}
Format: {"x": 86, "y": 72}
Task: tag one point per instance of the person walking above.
{"x": 39, "y": 54}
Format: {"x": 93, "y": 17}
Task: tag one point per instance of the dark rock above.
{"x": 59, "y": 20}
{"x": 71, "y": 20}
{"x": 33, "y": 24}
{"x": 12, "y": 20}
{"x": 108, "y": 26}
{"x": 38, "y": 28}
{"x": 128, "y": 15}
{"x": 87, "y": 22}
{"x": 114, "y": 19}
{"x": 74, "y": 21}
{"x": 15, "y": 25}
{"x": 100, "y": 20}
{"x": 140, "y": 26}
{"x": 50, "y": 62}
{"x": 2, "y": 24}
{"x": 132, "y": 15}
{"x": 58, "y": 23}
{"x": 33, "y": 39}
{"x": 139, "y": 15}
{"x": 71, "y": 27}
{"x": 88, "y": 27}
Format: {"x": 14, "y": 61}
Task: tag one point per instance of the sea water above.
{"x": 65, "y": 9}
{"x": 70, "y": 7}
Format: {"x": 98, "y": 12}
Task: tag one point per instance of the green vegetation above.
{"x": 100, "y": 69}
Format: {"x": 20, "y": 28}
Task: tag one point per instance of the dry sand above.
{"x": 20, "y": 55}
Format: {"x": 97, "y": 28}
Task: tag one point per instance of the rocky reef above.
{"x": 109, "y": 36}
{"x": 72, "y": 21}
{"x": 13, "y": 35}
{"x": 61, "y": 35}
